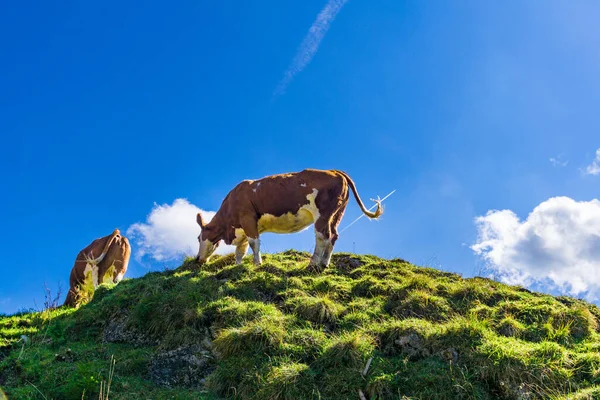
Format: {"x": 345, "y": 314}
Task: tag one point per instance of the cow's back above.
{"x": 286, "y": 193}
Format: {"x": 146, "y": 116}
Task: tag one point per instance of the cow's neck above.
{"x": 217, "y": 224}
{"x": 225, "y": 228}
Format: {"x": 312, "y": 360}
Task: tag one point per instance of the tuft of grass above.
{"x": 255, "y": 337}
{"x": 231, "y": 312}
{"x": 349, "y": 350}
{"x": 288, "y": 381}
{"x": 419, "y": 304}
{"x": 319, "y": 309}
{"x": 510, "y": 327}
{"x": 305, "y": 344}
{"x": 371, "y": 286}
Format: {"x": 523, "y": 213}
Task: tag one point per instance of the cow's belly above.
{"x": 286, "y": 223}
{"x": 291, "y": 222}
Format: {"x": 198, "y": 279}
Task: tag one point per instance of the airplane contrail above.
{"x": 362, "y": 215}
{"x": 309, "y": 46}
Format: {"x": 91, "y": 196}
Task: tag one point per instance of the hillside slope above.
{"x": 381, "y": 329}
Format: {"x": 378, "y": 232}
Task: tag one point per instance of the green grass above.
{"x": 280, "y": 331}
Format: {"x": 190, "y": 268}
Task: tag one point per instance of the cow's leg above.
{"x": 250, "y": 227}
{"x": 325, "y": 239}
{"x": 327, "y": 251}
{"x": 240, "y": 251}
{"x": 323, "y": 247}
{"x": 326, "y": 232}
{"x": 320, "y": 243}
{"x": 333, "y": 224}
{"x": 255, "y": 246}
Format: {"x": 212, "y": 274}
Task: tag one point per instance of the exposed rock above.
{"x": 345, "y": 262}
{"x": 411, "y": 344}
{"x": 116, "y": 331}
{"x": 185, "y": 366}
{"x": 521, "y": 392}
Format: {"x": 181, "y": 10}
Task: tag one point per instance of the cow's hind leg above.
{"x": 323, "y": 244}
{"x": 255, "y": 246}
{"x": 331, "y": 204}
{"x": 320, "y": 243}
{"x": 333, "y": 234}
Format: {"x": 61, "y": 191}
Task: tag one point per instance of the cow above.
{"x": 104, "y": 260}
{"x": 282, "y": 203}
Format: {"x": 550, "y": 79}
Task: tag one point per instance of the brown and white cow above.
{"x": 104, "y": 260}
{"x": 283, "y": 203}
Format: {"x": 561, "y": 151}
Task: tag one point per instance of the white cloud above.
{"x": 170, "y": 232}
{"x": 309, "y": 46}
{"x": 557, "y": 162}
{"x": 594, "y": 167}
{"x": 558, "y": 245}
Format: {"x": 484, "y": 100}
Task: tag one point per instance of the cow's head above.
{"x": 209, "y": 239}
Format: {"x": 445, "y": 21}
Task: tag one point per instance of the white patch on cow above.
{"x": 320, "y": 248}
{"x": 303, "y": 184}
{"x": 90, "y": 276}
{"x": 240, "y": 237}
{"x": 258, "y": 184}
{"x": 254, "y": 190}
{"x": 207, "y": 248}
{"x": 290, "y": 223}
{"x": 328, "y": 250}
{"x": 119, "y": 277}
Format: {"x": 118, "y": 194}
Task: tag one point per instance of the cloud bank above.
{"x": 170, "y": 232}
{"x": 309, "y": 46}
{"x": 594, "y": 167}
{"x": 557, "y": 246}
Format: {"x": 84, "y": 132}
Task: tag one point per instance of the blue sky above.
{"x": 107, "y": 109}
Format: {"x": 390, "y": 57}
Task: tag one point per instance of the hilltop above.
{"x": 380, "y": 329}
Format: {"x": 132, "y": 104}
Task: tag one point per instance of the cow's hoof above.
{"x": 315, "y": 268}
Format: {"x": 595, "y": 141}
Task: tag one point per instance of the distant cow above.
{"x": 283, "y": 203}
{"x": 104, "y": 260}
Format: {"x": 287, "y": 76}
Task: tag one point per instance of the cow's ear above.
{"x": 199, "y": 220}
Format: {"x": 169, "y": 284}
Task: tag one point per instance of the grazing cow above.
{"x": 283, "y": 203}
{"x": 104, "y": 260}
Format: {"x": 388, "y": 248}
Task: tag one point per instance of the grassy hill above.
{"x": 380, "y": 329}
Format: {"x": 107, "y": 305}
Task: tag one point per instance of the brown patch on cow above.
{"x": 104, "y": 260}
{"x": 283, "y": 203}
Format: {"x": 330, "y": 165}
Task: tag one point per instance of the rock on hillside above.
{"x": 366, "y": 328}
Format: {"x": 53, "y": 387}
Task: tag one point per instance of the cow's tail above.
{"x": 368, "y": 213}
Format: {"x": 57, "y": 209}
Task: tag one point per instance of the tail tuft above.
{"x": 379, "y": 209}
